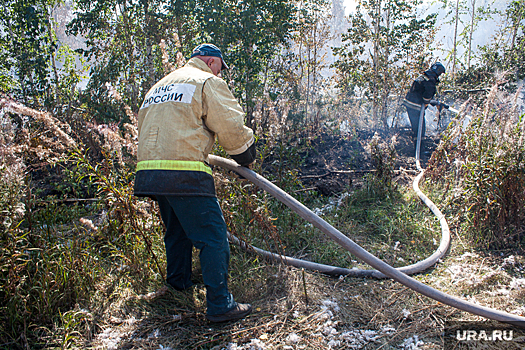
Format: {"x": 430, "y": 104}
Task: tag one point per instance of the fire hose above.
{"x": 382, "y": 269}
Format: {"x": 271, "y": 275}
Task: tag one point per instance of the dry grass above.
{"x": 331, "y": 313}
{"x": 342, "y": 313}
{"x": 293, "y": 309}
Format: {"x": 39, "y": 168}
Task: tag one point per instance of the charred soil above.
{"x": 330, "y": 163}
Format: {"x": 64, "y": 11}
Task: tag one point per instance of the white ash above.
{"x": 161, "y": 347}
{"x": 110, "y": 338}
{"x": 155, "y": 334}
{"x": 333, "y": 203}
{"x": 412, "y": 343}
{"x": 332, "y": 304}
{"x": 254, "y": 344}
{"x": 293, "y": 338}
{"x": 510, "y": 260}
{"x": 517, "y": 283}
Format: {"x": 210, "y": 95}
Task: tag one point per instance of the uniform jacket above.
{"x": 421, "y": 91}
{"x": 181, "y": 117}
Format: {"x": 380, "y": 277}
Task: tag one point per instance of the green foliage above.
{"x": 250, "y": 33}
{"x": 123, "y": 47}
{"x": 45, "y": 268}
{"x": 124, "y": 40}
{"x": 306, "y": 60}
{"x": 506, "y": 52}
{"x": 34, "y": 66}
{"x": 396, "y": 228}
{"x": 25, "y": 47}
{"x": 465, "y": 18}
{"x": 502, "y": 54}
{"x": 130, "y": 223}
{"x": 7, "y": 82}
{"x": 57, "y": 244}
{"x": 70, "y": 75}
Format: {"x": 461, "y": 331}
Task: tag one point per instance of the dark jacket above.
{"x": 422, "y": 90}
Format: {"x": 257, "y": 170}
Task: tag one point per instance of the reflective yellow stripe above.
{"x": 412, "y": 104}
{"x": 173, "y": 165}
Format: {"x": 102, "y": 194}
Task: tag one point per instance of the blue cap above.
{"x": 209, "y": 50}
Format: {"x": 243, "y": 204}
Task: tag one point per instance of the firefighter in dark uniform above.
{"x": 420, "y": 94}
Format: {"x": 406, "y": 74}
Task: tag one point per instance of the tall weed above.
{"x": 45, "y": 269}
{"x": 483, "y": 164}
{"x": 380, "y": 183}
{"x": 55, "y": 248}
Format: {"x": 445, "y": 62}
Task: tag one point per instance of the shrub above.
{"x": 380, "y": 183}
{"x": 55, "y": 249}
{"x": 484, "y": 164}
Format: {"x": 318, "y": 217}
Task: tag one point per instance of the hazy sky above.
{"x": 444, "y": 37}
{"x": 349, "y": 5}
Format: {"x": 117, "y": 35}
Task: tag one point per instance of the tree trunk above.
{"x": 455, "y": 43}
{"x": 129, "y": 47}
{"x": 471, "y": 32}
{"x": 53, "y": 62}
{"x": 376, "y": 54}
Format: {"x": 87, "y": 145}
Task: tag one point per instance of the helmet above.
{"x": 438, "y": 68}
{"x": 209, "y": 50}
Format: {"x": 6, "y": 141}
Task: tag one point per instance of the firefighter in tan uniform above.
{"x": 181, "y": 117}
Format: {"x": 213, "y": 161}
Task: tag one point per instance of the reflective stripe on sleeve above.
{"x": 173, "y": 165}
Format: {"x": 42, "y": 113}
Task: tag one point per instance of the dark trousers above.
{"x": 413, "y": 115}
{"x": 197, "y": 221}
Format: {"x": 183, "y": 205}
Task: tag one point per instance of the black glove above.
{"x": 438, "y": 105}
{"x": 441, "y": 105}
{"x": 239, "y": 176}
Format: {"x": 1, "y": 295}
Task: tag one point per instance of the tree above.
{"x": 25, "y": 48}
{"x": 466, "y": 16}
{"x": 309, "y": 50}
{"x": 251, "y": 33}
{"x": 506, "y": 52}
{"x": 123, "y": 39}
{"x": 385, "y": 43}
{"x": 515, "y": 54}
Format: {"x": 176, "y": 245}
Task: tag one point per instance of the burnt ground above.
{"x": 332, "y": 163}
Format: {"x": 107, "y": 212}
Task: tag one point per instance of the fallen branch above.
{"x": 72, "y": 200}
{"x": 330, "y": 172}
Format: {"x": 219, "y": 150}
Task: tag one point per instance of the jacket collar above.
{"x": 196, "y": 62}
{"x": 432, "y": 75}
